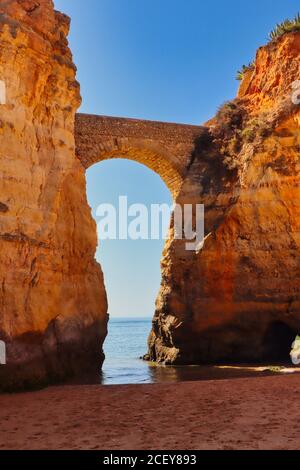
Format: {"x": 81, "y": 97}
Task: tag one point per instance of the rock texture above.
{"x": 164, "y": 147}
{"x": 238, "y": 299}
{"x": 52, "y": 298}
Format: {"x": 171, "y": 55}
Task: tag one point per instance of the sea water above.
{"x": 124, "y": 346}
{"x": 126, "y": 343}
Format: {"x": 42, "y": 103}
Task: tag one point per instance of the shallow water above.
{"x": 127, "y": 342}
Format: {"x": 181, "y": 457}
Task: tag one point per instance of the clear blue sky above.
{"x": 169, "y": 60}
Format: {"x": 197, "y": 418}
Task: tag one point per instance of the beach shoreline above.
{"x": 230, "y": 414}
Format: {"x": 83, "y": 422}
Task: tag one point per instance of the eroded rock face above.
{"x": 229, "y": 301}
{"x": 52, "y": 297}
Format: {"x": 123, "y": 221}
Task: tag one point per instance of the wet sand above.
{"x": 241, "y": 413}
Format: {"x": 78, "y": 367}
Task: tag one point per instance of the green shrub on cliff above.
{"x": 287, "y": 26}
{"x": 256, "y": 128}
{"x": 246, "y": 68}
{"x": 229, "y": 121}
{"x": 229, "y": 117}
{"x": 234, "y": 128}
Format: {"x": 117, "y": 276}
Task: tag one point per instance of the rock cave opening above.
{"x": 278, "y": 341}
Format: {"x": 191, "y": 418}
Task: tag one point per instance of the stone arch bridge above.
{"x": 165, "y": 148}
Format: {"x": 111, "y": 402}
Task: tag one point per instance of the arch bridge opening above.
{"x": 151, "y": 160}
{"x": 132, "y": 271}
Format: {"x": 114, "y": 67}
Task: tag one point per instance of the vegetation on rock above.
{"x": 245, "y": 68}
{"x": 287, "y": 26}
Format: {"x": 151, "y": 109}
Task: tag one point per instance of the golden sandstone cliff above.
{"x": 237, "y": 298}
{"x": 52, "y": 296}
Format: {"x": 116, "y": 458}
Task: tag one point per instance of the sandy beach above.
{"x": 247, "y": 413}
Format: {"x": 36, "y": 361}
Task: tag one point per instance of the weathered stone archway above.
{"x": 165, "y": 148}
